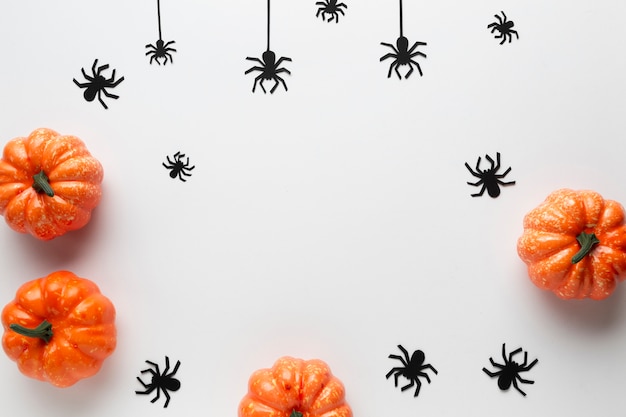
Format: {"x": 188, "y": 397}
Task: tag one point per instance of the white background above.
{"x": 332, "y": 220}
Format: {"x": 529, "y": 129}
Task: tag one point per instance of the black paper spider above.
{"x": 177, "y": 167}
{"x": 505, "y": 27}
{"x": 97, "y": 83}
{"x": 160, "y": 381}
{"x": 268, "y": 67}
{"x": 508, "y": 372}
{"x": 332, "y": 8}
{"x": 402, "y": 54}
{"x": 412, "y": 368}
{"x": 489, "y": 179}
{"x": 162, "y": 50}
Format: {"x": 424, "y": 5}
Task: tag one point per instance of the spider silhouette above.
{"x": 162, "y": 50}
{"x": 269, "y": 69}
{"x": 160, "y": 381}
{"x": 97, "y": 83}
{"x": 402, "y": 54}
{"x": 332, "y": 8}
{"x": 508, "y": 373}
{"x": 412, "y": 368}
{"x": 489, "y": 178}
{"x": 505, "y": 27}
{"x": 177, "y": 167}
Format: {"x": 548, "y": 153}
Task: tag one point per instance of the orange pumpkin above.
{"x": 49, "y": 184}
{"x": 574, "y": 244}
{"x": 295, "y": 388}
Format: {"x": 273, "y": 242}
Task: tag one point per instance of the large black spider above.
{"x": 177, "y": 167}
{"x": 160, "y": 381}
{"x": 269, "y": 69}
{"x": 489, "y": 178}
{"x": 97, "y": 83}
{"x": 402, "y": 55}
{"x": 412, "y": 368}
{"x": 332, "y": 8}
{"x": 505, "y": 27}
{"x": 161, "y": 50}
{"x": 508, "y": 372}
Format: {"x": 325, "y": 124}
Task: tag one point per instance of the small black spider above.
{"x": 402, "y": 55}
{"x": 177, "y": 167}
{"x": 160, "y": 381}
{"x": 505, "y": 27}
{"x": 412, "y": 368}
{"x": 490, "y": 179}
{"x": 332, "y": 8}
{"x": 97, "y": 83}
{"x": 269, "y": 70}
{"x": 508, "y": 372}
{"x": 161, "y": 50}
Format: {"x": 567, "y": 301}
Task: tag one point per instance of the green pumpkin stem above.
{"x": 587, "y": 241}
{"x": 43, "y": 331}
{"x": 41, "y": 184}
{"x": 295, "y": 413}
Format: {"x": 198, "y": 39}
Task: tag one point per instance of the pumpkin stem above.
{"x": 586, "y": 241}
{"x": 43, "y": 331}
{"x": 295, "y": 413}
{"x": 41, "y": 184}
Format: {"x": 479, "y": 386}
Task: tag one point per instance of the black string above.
{"x": 401, "y": 33}
{"x": 268, "y": 25}
{"x": 159, "y": 17}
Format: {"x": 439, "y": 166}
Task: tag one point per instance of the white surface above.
{"x": 332, "y": 220}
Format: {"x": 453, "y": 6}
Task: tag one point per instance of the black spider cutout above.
{"x": 178, "y": 167}
{"x": 504, "y": 27}
{"x": 160, "y": 381}
{"x": 269, "y": 67}
{"x": 331, "y": 8}
{"x": 489, "y": 178}
{"x": 97, "y": 84}
{"x": 162, "y": 50}
{"x": 508, "y": 372}
{"x": 413, "y": 368}
{"x": 402, "y": 54}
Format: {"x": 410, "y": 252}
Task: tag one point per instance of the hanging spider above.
{"x": 269, "y": 69}
{"x": 412, "y": 368}
{"x": 402, "y": 54}
{"x": 160, "y": 381}
{"x": 489, "y": 178}
{"x": 177, "y": 167}
{"x": 162, "y": 50}
{"x": 505, "y": 27}
{"x": 508, "y": 372}
{"x": 332, "y": 8}
{"x": 97, "y": 84}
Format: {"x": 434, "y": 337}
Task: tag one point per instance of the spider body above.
{"x": 162, "y": 50}
{"x": 504, "y": 27}
{"x": 489, "y": 178}
{"x": 268, "y": 69}
{"x": 178, "y": 167}
{"x": 403, "y": 55}
{"x": 160, "y": 381}
{"x": 332, "y": 8}
{"x": 97, "y": 83}
{"x": 413, "y": 368}
{"x": 508, "y": 373}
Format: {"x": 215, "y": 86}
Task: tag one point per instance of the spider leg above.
{"x": 490, "y": 373}
{"x": 397, "y": 69}
{"x": 110, "y": 95}
{"x": 411, "y": 69}
{"x": 102, "y": 101}
{"x": 517, "y": 387}
{"x": 501, "y": 42}
{"x": 503, "y": 182}
{"x": 397, "y": 372}
{"x": 515, "y": 352}
{"x": 481, "y": 192}
{"x": 419, "y": 68}
{"x": 425, "y": 375}
{"x": 410, "y": 384}
{"x": 152, "y": 47}
{"x": 401, "y": 359}
{"x": 515, "y": 32}
{"x": 281, "y": 60}
{"x": 261, "y": 80}
{"x": 525, "y": 381}
{"x": 278, "y": 79}
{"x": 158, "y": 395}
{"x": 432, "y": 368}
{"x": 112, "y": 79}
{"x": 254, "y": 69}
{"x": 167, "y": 398}
{"x": 474, "y": 173}
{"x": 149, "y": 388}
{"x": 529, "y": 367}
{"x": 497, "y": 365}
{"x": 249, "y": 58}
{"x": 405, "y": 353}
{"x": 475, "y": 184}
{"x": 87, "y": 77}
{"x": 81, "y": 85}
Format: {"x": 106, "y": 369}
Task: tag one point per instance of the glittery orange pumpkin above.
{"x": 574, "y": 244}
